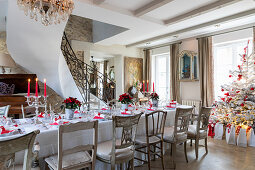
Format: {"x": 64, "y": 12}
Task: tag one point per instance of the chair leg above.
{"x": 121, "y": 166}
{"x": 206, "y": 148}
{"x": 162, "y": 155}
{"x": 174, "y": 154}
{"x": 190, "y": 142}
{"x": 171, "y": 150}
{"x": 149, "y": 156}
{"x": 185, "y": 151}
{"x": 196, "y": 147}
{"x": 154, "y": 150}
{"x": 132, "y": 164}
{"x": 112, "y": 166}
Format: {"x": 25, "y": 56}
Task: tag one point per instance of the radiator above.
{"x": 195, "y": 103}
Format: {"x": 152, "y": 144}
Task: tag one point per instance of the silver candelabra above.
{"x": 34, "y": 101}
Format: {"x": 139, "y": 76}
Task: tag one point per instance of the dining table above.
{"x": 48, "y": 137}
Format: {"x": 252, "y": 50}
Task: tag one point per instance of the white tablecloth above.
{"x": 48, "y": 138}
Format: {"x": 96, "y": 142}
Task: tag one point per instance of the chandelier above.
{"x": 50, "y": 11}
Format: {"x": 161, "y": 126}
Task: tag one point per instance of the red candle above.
{"x": 147, "y": 85}
{"x": 45, "y": 92}
{"x": 153, "y": 88}
{"x": 143, "y": 86}
{"x": 28, "y": 88}
{"x": 36, "y": 87}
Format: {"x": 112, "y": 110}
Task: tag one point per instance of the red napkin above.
{"x": 170, "y": 106}
{"x": 130, "y": 105}
{"x": 151, "y": 109}
{"x": 98, "y": 117}
{"x": 15, "y": 125}
{"x": 76, "y": 111}
{"x": 103, "y": 109}
{"x": 4, "y": 131}
{"x": 55, "y": 123}
{"x": 41, "y": 115}
{"x": 125, "y": 113}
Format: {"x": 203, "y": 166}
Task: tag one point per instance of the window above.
{"x": 227, "y": 58}
{"x": 162, "y": 75}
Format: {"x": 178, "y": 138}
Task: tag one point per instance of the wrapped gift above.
{"x": 230, "y": 135}
{"x": 251, "y": 138}
{"x": 218, "y": 130}
{"x": 241, "y": 138}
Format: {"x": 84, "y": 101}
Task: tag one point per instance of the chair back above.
{"x": 10, "y": 147}
{"x": 6, "y": 89}
{"x": 155, "y": 123}
{"x": 129, "y": 126}
{"x": 203, "y": 119}
{"x": 181, "y": 123}
{"x": 5, "y": 110}
{"x": 63, "y": 129}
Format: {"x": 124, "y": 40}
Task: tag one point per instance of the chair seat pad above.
{"x": 169, "y": 135}
{"x": 104, "y": 150}
{"x": 192, "y": 131}
{"x": 20, "y": 167}
{"x": 142, "y": 140}
{"x": 69, "y": 160}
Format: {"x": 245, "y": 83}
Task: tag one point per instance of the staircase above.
{"x": 87, "y": 78}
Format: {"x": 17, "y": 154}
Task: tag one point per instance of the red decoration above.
{"x": 238, "y": 91}
{"x": 252, "y": 88}
{"x": 242, "y": 105}
{"x": 227, "y": 94}
{"x": 231, "y": 75}
{"x": 125, "y": 98}
{"x": 222, "y": 90}
{"x": 239, "y": 77}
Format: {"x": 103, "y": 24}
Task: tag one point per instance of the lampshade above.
{"x": 6, "y": 60}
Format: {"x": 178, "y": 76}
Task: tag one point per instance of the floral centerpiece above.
{"x": 125, "y": 99}
{"x": 70, "y": 105}
{"x": 154, "y": 97}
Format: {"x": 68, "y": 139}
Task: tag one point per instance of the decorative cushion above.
{"x": 104, "y": 150}
{"x": 69, "y": 159}
{"x": 169, "y": 135}
{"x": 192, "y": 131}
{"x": 142, "y": 140}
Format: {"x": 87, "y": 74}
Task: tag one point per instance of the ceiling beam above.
{"x": 200, "y": 11}
{"x": 150, "y": 6}
{"x": 98, "y": 2}
{"x": 204, "y": 25}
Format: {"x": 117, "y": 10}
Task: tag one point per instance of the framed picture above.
{"x": 188, "y": 66}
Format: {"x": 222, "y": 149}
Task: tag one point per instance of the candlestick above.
{"x": 153, "y": 88}
{"x": 147, "y": 85}
{"x": 45, "y": 92}
{"x": 36, "y": 87}
{"x": 28, "y": 87}
{"x": 143, "y": 86}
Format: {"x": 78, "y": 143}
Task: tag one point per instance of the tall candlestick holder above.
{"x": 34, "y": 101}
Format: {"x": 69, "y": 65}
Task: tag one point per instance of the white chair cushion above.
{"x": 104, "y": 150}
{"x": 142, "y": 140}
{"x": 169, "y": 135}
{"x": 69, "y": 160}
{"x": 192, "y": 131}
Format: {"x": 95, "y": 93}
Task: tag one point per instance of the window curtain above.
{"x": 147, "y": 72}
{"x": 174, "y": 72}
{"x": 206, "y": 77}
{"x": 253, "y": 50}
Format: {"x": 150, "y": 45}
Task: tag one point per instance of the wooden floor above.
{"x": 221, "y": 156}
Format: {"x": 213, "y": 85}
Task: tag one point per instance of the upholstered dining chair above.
{"x": 178, "y": 133}
{"x": 8, "y": 149}
{"x": 199, "y": 131}
{"x": 5, "y": 110}
{"x": 120, "y": 150}
{"x": 79, "y": 157}
{"x": 154, "y": 124}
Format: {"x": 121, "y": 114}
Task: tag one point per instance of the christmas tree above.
{"x": 237, "y": 105}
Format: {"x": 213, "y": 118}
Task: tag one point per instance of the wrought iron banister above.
{"x": 87, "y": 78}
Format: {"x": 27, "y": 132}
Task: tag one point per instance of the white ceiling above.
{"x": 147, "y": 20}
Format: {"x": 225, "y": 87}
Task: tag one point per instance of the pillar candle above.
{"x": 45, "y": 92}
{"x": 153, "y": 88}
{"x": 36, "y": 87}
{"x": 143, "y": 86}
{"x": 147, "y": 85}
{"x": 28, "y": 88}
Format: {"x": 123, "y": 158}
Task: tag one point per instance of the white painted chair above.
{"x": 78, "y": 157}
{"x": 119, "y": 151}
{"x": 5, "y": 110}
{"x": 8, "y": 149}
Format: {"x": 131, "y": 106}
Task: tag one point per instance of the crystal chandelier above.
{"x": 50, "y": 11}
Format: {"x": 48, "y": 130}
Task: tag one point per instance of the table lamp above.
{"x": 6, "y": 61}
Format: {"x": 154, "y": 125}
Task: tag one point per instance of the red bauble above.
{"x": 238, "y": 91}
{"x": 227, "y": 94}
{"x": 252, "y": 88}
{"x": 231, "y": 75}
{"x": 222, "y": 89}
{"x": 242, "y": 105}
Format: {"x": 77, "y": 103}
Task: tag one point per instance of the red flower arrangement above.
{"x": 154, "y": 96}
{"x": 125, "y": 98}
{"x": 72, "y": 103}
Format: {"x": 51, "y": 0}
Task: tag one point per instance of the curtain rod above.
{"x": 163, "y": 45}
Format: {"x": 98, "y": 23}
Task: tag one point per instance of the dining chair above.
{"x": 154, "y": 125}
{"x": 199, "y": 131}
{"x": 79, "y": 157}
{"x": 177, "y": 134}
{"x": 8, "y": 148}
{"x": 120, "y": 150}
{"x": 5, "y": 110}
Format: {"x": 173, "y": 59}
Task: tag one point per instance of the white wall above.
{"x": 190, "y": 90}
